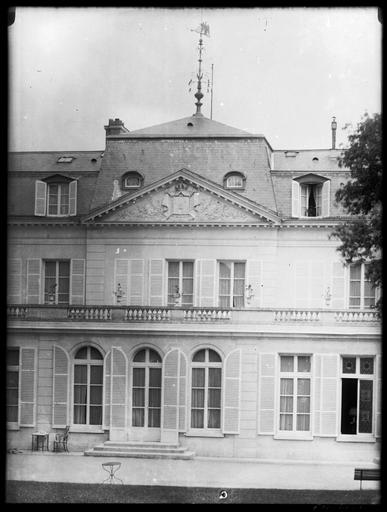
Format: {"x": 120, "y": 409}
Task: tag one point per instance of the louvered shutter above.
{"x": 118, "y": 401}
{"x": 121, "y": 277}
{"x": 27, "y": 387}
{"x": 136, "y": 283}
{"x": 296, "y": 199}
{"x": 378, "y": 409}
{"x": 107, "y": 390}
{"x": 60, "y": 388}
{"x": 266, "y": 392}
{"x": 254, "y": 278}
{"x": 73, "y": 197}
{"x": 156, "y": 282}
{"x": 33, "y": 280}
{"x": 326, "y": 198}
{"x": 232, "y": 392}
{"x": 338, "y": 285}
{"x": 316, "y": 403}
{"x": 329, "y": 398}
{"x": 77, "y": 281}
{"x": 206, "y": 278}
{"x": 40, "y": 197}
{"x": 170, "y": 403}
{"x": 183, "y": 393}
{"x": 14, "y": 276}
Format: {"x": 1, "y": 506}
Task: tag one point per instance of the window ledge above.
{"x": 203, "y": 433}
{"x": 86, "y": 429}
{"x": 13, "y": 426}
{"x": 294, "y": 437}
{"x": 356, "y": 439}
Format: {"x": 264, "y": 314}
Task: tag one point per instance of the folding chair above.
{"x": 60, "y": 440}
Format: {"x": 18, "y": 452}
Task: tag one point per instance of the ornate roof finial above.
{"x": 203, "y": 29}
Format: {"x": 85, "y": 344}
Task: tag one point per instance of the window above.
{"x": 146, "y": 389}
{"x": 56, "y": 282}
{"x": 58, "y": 199}
{"x": 294, "y": 407}
{"x": 56, "y": 196}
{"x": 310, "y": 196}
{"x": 65, "y": 159}
{"x": 231, "y": 284}
{"x": 88, "y": 386}
{"x": 132, "y": 180}
{"x": 234, "y": 180}
{"x": 361, "y": 292}
{"x": 311, "y": 200}
{"x": 357, "y": 382}
{"x": 180, "y": 283}
{"x": 206, "y": 389}
{"x": 13, "y": 385}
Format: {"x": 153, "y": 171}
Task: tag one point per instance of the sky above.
{"x": 282, "y": 72}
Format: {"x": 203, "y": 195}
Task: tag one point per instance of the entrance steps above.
{"x": 139, "y": 449}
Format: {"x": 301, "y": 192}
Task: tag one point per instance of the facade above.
{"x": 180, "y": 286}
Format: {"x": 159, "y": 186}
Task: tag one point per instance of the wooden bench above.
{"x": 366, "y": 474}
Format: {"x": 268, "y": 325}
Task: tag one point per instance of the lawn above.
{"x": 52, "y": 492}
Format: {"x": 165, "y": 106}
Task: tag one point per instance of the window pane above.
{"x": 224, "y": 269}
{"x": 286, "y": 387}
{"x": 354, "y": 302}
{"x": 214, "y": 377}
{"x": 96, "y": 374}
{"x": 80, "y": 374}
{"x": 154, "y": 356}
{"x": 303, "y": 363}
{"x": 224, "y": 286}
{"x": 13, "y": 357}
{"x": 82, "y": 353}
{"x": 80, "y": 394}
{"x": 12, "y": 396}
{"x": 173, "y": 269}
{"x": 239, "y": 270}
{"x": 155, "y": 377}
{"x": 214, "y": 398}
{"x": 199, "y": 356}
{"x": 138, "y": 417}
{"x": 139, "y": 377}
{"x": 303, "y": 386}
{"x": 80, "y": 414}
{"x": 355, "y": 271}
{"x": 286, "y": 404}
{"x": 154, "y": 397}
{"x": 12, "y": 414}
{"x": 303, "y": 404}
{"x": 154, "y": 418}
{"x": 214, "y": 418}
{"x": 197, "y": 418}
{"x": 365, "y": 407}
{"x": 96, "y": 395}
{"x": 354, "y": 289}
{"x": 12, "y": 379}
{"x": 138, "y": 397}
{"x": 140, "y": 356}
{"x": 188, "y": 286}
{"x": 286, "y": 422}
{"x": 187, "y": 269}
{"x": 197, "y": 398}
{"x": 95, "y": 415}
{"x": 287, "y": 363}
{"x": 213, "y": 356}
{"x": 224, "y": 302}
{"x": 369, "y": 302}
{"x": 367, "y": 365}
{"x": 303, "y": 422}
{"x": 349, "y": 364}
{"x": 95, "y": 354}
{"x": 198, "y": 377}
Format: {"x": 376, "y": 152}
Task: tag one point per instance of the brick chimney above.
{"x": 115, "y": 127}
{"x": 334, "y": 127}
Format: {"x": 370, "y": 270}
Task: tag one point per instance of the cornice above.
{"x": 37, "y": 174}
{"x": 290, "y": 172}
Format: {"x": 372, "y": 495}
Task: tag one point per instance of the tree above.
{"x": 361, "y": 197}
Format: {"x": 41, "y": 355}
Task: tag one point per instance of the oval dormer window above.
{"x": 234, "y": 180}
{"x": 132, "y": 180}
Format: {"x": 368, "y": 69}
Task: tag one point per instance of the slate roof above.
{"x": 303, "y": 160}
{"x": 46, "y": 161}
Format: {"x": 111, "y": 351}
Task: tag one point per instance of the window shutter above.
{"x": 316, "y": 403}
{"x": 77, "y": 281}
{"x": 232, "y": 392}
{"x": 338, "y": 285}
{"x": 266, "y": 393}
{"x": 296, "y": 200}
{"x": 118, "y": 403}
{"x": 60, "y": 401}
{"x": 254, "y": 278}
{"x": 183, "y": 393}
{"x": 73, "y": 197}
{"x": 136, "y": 283}
{"x": 121, "y": 277}
{"x": 40, "y": 197}
{"x": 106, "y": 390}
{"x": 27, "y": 387}
{"x": 33, "y": 280}
{"x": 326, "y": 198}
{"x": 329, "y": 399}
{"x": 156, "y": 282}
{"x": 170, "y": 403}
{"x": 14, "y": 273}
{"x": 378, "y": 409}
{"x": 206, "y": 292}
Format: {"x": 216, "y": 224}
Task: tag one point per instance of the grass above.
{"x": 59, "y": 492}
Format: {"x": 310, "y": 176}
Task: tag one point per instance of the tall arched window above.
{"x": 88, "y": 386}
{"x": 146, "y": 389}
{"x": 206, "y": 389}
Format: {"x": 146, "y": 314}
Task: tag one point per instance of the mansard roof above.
{"x": 310, "y": 160}
{"x": 47, "y": 161}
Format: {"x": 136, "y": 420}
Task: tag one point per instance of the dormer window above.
{"x": 132, "y": 180}
{"x": 56, "y": 196}
{"x": 234, "y": 180}
{"x": 310, "y": 196}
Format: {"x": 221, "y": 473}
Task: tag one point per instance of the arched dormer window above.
{"x": 234, "y": 180}
{"x": 132, "y": 180}
{"x": 56, "y": 196}
{"x": 310, "y": 196}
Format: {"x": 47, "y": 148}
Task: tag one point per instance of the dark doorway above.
{"x": 348, "y": 406}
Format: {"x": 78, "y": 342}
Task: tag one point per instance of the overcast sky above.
{"x": 281, "y": 72}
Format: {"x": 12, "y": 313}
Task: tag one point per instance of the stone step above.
{"x": 141, "y": 444}
{"x": 129, "y": 449}
{"x": 186, "y": 455}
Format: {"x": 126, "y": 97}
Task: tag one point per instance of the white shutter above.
{"x": 378, "y": 409}
{"x": 107, "y": 390}
{"x": 170, "y": 402}
{"x": 316, "y": 402}
{"x": 326, "y": 198}
{"x": 329, "y": 395}
{"x": 338, "y": 285}
{"x": 206, "y": 292}
{"x": 14, "y": 276}
{"x": 118, "y": 402}
{"x": 266, "y": 393}
{"x": 77, "y": 284}
{"x": 73, "y": 197}
{"x": 33, "y": 280}
{"x": 156, "y": 282}
{"x": 27, "y": 387}
{"x": 254, "y": 278}
{"x": 60, "y": 388}
{"x": 296, "y": 199}
{"x": 183, "y": 393}
{"x": 40, "y": 197}
{"x": 136, "y": 283}
{"x": 121, "y": 277}
{"x": 232, "y": 392}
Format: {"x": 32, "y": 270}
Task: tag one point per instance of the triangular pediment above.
{"x": 183, "y": 197}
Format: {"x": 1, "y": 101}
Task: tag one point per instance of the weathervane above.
{"x": 203, "y": 30}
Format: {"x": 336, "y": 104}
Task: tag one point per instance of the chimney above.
{"x": 333, "y": 126}
{"x": 115, "y": 127}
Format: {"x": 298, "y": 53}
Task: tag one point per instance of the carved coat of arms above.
{"x": 183, "y": 200}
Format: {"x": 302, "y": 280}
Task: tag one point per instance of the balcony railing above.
{"x": 106, "y": 313}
